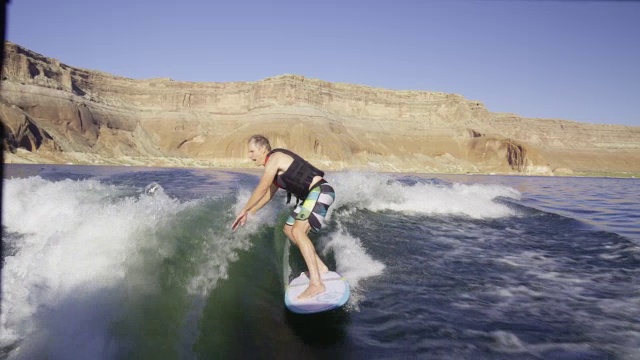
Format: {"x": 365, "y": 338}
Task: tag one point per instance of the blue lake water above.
{"x": 140, "y": 263}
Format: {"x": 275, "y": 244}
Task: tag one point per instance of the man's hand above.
{"x": 240, "y": 220}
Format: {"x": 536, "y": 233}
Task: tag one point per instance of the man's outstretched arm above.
{"x": 265, "y": 199}
{"x": 262, "y": 190}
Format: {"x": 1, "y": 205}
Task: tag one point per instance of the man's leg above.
{"x": 299, "y": 233}
{"x": 322, "y": 267}
{"x": 314, "y": 208}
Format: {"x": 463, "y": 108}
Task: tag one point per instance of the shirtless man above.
{"x": 284, "y": 169}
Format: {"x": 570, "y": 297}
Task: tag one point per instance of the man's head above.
{"x": 259, "y": 147}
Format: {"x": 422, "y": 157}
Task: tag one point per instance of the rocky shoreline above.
{"x": 25, "y": 157}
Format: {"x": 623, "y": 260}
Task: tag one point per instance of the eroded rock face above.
{"x": 491, "y": 152}
{"x": 22, "y": 132}
{"x": 93, "y": 117}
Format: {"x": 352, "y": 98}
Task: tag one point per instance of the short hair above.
{"x": 260, "y": 141}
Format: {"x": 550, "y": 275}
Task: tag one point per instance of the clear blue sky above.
{"x": 573, "y": 60}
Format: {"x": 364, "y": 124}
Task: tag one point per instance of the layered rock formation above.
{"x": 56, "y": 113}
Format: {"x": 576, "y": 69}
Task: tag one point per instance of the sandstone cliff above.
{"x": 56, "y": 113}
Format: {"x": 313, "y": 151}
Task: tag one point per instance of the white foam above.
{"x": 378, "y": 192}
{"x": 226, "y": 243}
{"x": 507, "y": 341}
{"x": 352, "y": 261}
{"x": 77, "y": 242}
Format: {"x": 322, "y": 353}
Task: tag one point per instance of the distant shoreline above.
{"x": 250, "y": 168}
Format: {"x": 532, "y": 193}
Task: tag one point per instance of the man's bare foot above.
{"x": 311, "y": 291}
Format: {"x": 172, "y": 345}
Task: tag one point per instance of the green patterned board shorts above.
{"x": 314, "y": 207}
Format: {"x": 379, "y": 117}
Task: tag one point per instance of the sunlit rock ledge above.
{"x": 56, "y": 113}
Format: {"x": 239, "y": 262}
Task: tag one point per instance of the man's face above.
{"x": 257, "y": 153}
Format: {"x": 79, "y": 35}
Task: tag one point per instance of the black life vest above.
{"x": 297, "y": 178}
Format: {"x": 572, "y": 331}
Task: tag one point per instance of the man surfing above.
{"x": 285, "y": 169}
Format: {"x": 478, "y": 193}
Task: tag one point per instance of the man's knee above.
{"x": 299, "y": 230}
{"x": 288, "y": 231}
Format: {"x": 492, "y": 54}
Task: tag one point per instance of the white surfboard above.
{"x": 336, "y": 294}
